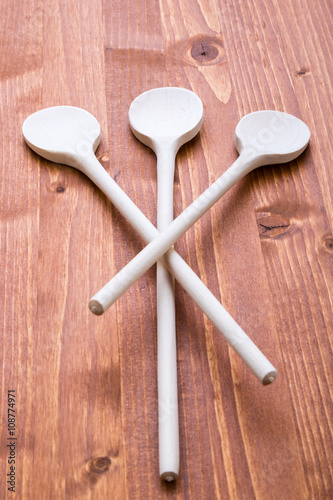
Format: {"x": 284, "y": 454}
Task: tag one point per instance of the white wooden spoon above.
{"x": 70, "y": 136}
{"x": 164, "y": 119}
{"x": 261, "y": 138}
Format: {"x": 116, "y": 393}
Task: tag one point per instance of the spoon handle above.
{"x": 168, "y": 428}
{"x": 231, "y": 331}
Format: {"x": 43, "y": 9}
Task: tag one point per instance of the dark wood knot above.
{"x": 203, "y": 50}
{"x": 99, "y": 465}
{"x": 271, "y": 225}
{"x": 302, "y": 72}
{"x": 328, "y": 242}
{"x": 56, "y": 187}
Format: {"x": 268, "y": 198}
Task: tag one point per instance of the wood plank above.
{"x": 86, "y": 386}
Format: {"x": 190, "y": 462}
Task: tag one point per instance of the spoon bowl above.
{"x": 271, "y": 136}
{"x": 62, "y": 134}
{"x": 167, "y": 114}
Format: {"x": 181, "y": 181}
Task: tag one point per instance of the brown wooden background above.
{"x": 86, "y": 386}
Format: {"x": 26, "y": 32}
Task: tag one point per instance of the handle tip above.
{"x": 269, "y": 378}
{"x": 169, "y": 476}
{"x": 96, "y": 307}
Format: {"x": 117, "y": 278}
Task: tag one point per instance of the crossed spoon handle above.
{"x": 231, "y": 331}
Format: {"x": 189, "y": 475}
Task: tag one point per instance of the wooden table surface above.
{"x": 85, "y": 386}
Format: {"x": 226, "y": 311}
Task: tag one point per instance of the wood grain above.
{"x": 86, "y": 386}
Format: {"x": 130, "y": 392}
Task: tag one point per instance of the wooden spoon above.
{"x": 68, "y": 135}
{"x": 261, "y": 138}
{"x": 164, "y": 119}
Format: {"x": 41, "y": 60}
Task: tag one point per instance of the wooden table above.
{"x": 85, "y": 386}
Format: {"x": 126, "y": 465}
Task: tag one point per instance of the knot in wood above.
{"x": 204, "y": 52}
{"x": 328, "y": 242}
{"x": 99, "y": 465}
{"x": 302, "y": 72}
{"x": 272, "y": 225}
{"x": 56, "y": 187}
